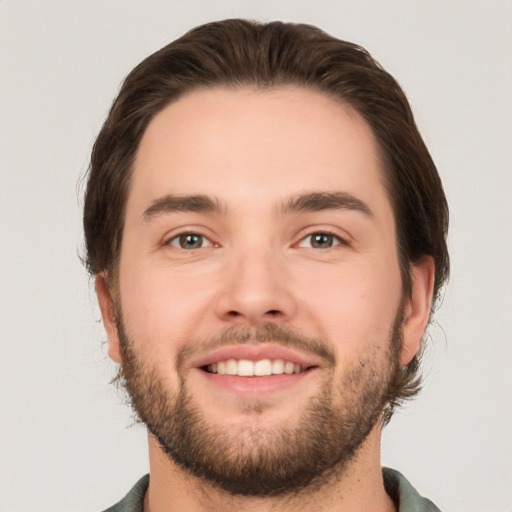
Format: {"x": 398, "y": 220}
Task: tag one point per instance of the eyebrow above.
{"x": 309, "y": 202}
{"x": 173, "y": 203}
{"x": 318, "y": 201}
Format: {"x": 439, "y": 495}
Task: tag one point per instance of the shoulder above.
{"x": 133, "y": 501}
{"x": 404, "y": 494}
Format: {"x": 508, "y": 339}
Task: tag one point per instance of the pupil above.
{"x": 190, "y": 241}
{"x": 321, "y": 240}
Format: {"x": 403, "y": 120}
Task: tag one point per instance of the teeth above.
{"x": 263, "y": 367}
{"x": 246, "y": 368}
{"x": 278, "y": 366}
{"x": 231, "y": 367}
{"x": 288, "y": 368}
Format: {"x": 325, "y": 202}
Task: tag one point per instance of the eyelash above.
{"x": 181, "y": 238}
{"x": 336, "y": 240}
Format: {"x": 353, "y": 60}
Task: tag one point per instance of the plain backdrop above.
{"x": 66, "y": 438}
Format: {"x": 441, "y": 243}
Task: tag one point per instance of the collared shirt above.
{"x": 401, "y": 491}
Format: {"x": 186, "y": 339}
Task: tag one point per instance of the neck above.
{"x": 359, "y": 488}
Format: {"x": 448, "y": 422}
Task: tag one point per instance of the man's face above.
{"x": 259, "y": 239}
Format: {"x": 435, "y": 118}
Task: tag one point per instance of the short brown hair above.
{"x": 238, "y": 53}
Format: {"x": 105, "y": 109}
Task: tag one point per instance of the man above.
{"x": 267, "y": 231}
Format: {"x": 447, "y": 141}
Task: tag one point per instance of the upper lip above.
{"x": 256, "y": 352}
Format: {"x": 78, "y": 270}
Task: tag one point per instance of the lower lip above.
{"x": 255, "y": 386}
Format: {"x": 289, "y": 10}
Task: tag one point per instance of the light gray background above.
{"x": 65, "y": 441}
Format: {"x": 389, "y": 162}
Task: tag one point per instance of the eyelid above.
{"x": 336, "y": 240}
{"x": 187, "y": 230}
{"x": 341, "y": 237}
{"x": 206, "y": 242}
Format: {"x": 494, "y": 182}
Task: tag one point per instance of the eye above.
{"x": 320, "y": 241}
{"x": 189, "y": 241}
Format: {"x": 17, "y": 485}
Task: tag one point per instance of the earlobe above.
{"x": 108, "y": 315}
{"x": 417, "y": 310}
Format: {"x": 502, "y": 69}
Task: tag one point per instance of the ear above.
{"x": 417, "y": 308}
{"x": 109, "y": 319}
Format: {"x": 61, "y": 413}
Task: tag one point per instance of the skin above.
{"x": 252, "y": 151}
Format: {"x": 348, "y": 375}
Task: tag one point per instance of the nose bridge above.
{"x": 255, "y": 289}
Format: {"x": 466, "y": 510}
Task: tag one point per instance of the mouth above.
{"x": 259, "y": 368}
{"x": 255, "y": 370}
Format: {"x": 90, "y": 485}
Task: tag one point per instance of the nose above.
{"x": 256, "y": 290}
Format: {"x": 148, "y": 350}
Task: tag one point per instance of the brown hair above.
{"x": 239, "y": 53}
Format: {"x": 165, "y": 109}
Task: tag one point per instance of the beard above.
{"x": 256, "y": 461}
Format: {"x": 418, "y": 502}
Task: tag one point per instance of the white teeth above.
{"x": 278, "y": 366}
{"x": 231, "y": 367}
{"x": 288, "y": 368}
{"x": 263, "y": 367}
{"x": 246, "y": 368}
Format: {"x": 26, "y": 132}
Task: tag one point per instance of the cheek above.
{"x": 160, "y": 307}
{"x": 354, "y": 308}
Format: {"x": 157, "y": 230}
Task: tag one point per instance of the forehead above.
{"x": 248, "y": 144}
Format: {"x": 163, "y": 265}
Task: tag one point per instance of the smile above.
{"x": 261, "y": 368}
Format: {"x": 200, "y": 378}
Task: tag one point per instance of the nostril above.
{"x": 273, "y": 313}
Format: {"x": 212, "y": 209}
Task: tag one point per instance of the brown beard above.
{"x": 255, "y": 461}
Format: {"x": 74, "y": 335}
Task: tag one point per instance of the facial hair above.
{"x": 254, "y": 461}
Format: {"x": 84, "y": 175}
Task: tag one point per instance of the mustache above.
{"x": 267, "y": 333}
